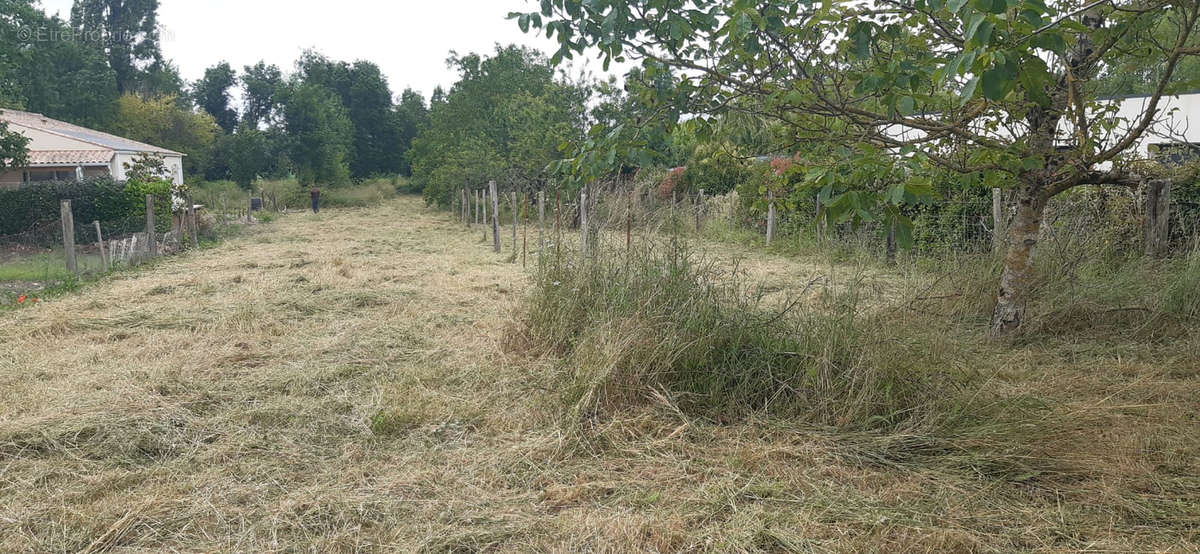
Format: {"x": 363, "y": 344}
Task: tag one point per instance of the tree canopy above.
{"x": 503, "y": 120}
{"x": 1002, "y": 90}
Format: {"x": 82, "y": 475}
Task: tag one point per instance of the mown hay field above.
{"x": 350, "y": 381}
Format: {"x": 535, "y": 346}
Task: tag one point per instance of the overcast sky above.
{"x": 408, "y": 39}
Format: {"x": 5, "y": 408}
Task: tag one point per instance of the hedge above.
{"x": 120, "y": 208}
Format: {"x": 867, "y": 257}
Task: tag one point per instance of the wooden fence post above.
{"x": 487, "y": 222}
{"x": 557, "y": 223}
{"x": 733, "y": 200}
{"x": 999, "y": 222}
{"x": 150, "y": 240}
{"x": 68, "y": 224}
{"x": 195, "y": 225}
{"x": 104, "y": 263}
{"x": 495, "y": 216}
{"x": 699, "y": 208}
{"x": 628, "y": 226}
{"x": 541, "y": 223}
{"x": 770, "y": 216}
{"x": 583, "y": 220}
{"x": 891, "y": 245}
{"x": 525, "y": 230}
{"x": 1157, "y": 230}
{"x": 512, "y": 202}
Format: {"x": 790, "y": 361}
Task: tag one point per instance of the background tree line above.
{"x": 327, "y": 121}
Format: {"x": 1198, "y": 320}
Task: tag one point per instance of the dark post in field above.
{"x": 1158, "y": 217}
{"x": 495, "y": 216}
{"x": 68, "y": 224}
{"x": 699, "y": 208}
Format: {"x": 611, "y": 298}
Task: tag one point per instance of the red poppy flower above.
{"x": 35, "y": 300}
{"x": 21, "y": 299}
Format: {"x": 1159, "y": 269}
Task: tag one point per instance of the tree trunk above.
{"x": 1017, "y": 276}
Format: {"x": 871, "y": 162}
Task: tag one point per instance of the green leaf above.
{"x": 991, "y": 6}
{"x": 862, "y": 41}
{"x": 968, "y": 91}
{"x": 997, "y": 82}
{"x": 1032, "y": 163}
{"x": 955, "y": 5}
{"x": 983, "y": 34}
{"x": 906, "y": 105}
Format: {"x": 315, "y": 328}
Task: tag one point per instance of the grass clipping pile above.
{"x": 663, "y": 320}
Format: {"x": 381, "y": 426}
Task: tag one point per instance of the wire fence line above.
{"x": 1113, "y": 221}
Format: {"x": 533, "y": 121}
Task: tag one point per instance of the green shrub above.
{"x": 665, "y": 320}
{"x": 119, "y": 207}
{"x": 715, "y": 170}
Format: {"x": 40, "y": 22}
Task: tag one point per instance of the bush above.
{"x": 715, "y": 170}
{"x": 667, "y": 320}
{"x": 119, "y": 207}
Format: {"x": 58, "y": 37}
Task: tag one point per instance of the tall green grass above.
{"x": 664, "y": 320}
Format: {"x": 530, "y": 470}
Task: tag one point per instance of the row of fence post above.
{"x": 482, "y": 206}
{"x": 127, "y": 249}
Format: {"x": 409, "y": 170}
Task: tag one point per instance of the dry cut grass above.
{"x": 340, "y": 382}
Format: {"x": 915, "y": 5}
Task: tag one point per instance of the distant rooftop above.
{"x": 104, "y": 140}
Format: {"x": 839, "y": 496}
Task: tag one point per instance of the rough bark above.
{"x": 1017, "y": 275}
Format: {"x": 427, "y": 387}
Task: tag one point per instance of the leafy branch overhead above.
{"x": 1005, "y": 91}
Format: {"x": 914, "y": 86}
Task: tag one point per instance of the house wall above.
{"x": 1178, "y": 120}
{"x": 14, "y": 179}
{"x": 174, "y": 165}
{"x": 10, "y": 179}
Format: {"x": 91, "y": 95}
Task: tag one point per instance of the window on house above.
{"x": 1175, "y": 153}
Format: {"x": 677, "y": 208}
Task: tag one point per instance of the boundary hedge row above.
{"x": 119, "y": 207}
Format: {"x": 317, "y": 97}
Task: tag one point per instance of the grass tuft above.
{"x": 664, "y": 319}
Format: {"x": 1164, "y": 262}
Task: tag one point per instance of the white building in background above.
{"x": 60, "y": 151}
{"x": 1175, "y": 132}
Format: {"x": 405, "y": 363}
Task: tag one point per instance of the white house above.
{"x": 1174, "y": 132}
{"x": 61, "y": 151}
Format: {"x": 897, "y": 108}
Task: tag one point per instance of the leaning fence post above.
{"x": 770, "y": 216}
{"x": 1157, "y": 229}
{"x": 495, "y": 215}
{"x": 150, "y": 226}
{"x": 100, "y": 243}
{"x": 68, "y": 224}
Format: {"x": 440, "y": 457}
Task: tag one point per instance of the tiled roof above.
{"x": 69, "y": 157}
{"x": 62, "y": 128}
